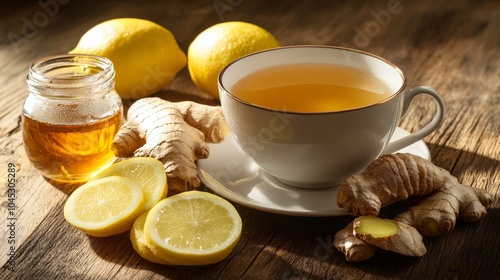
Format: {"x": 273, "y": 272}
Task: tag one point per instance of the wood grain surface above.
{"x": 450, "y": 45}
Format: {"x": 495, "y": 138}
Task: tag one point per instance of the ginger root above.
{"x": 389, "y": 235}
{"x": 176, "y": 133}
{"x": 363, "y": 236}
{"x": 437, "y": 213}
{"x": 401, "y": 176}
{"x": 354, "y": 249}
{"x": 396, "y": 177}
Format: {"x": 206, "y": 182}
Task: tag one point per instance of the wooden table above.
{"x": 450, "y": 45}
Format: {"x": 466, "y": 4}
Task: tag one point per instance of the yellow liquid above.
{"x": 70, "y": 152}
{"x": 311, "y": 88}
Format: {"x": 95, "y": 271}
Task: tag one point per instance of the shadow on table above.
{"x": 447, "y": 158}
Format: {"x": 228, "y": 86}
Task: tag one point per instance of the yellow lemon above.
{"x": 145, "y": 55}
{"x": 219, "y": 45}
{"x": 146, "y": 172}
{"x": 139, "y": 243}
{"x": 192, "y": 228}
{"x": 104, "y": 207}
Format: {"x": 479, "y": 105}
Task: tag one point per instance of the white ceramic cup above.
{"x": 319, "y": 150}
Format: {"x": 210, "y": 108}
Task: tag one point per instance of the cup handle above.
{"x": 426, "y": 130}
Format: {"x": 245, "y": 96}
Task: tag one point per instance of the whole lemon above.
{"x": 145, "y": 55}
{"x": 219, "y": 45}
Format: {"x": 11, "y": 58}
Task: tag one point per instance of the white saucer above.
{"x": 230, "y": 173}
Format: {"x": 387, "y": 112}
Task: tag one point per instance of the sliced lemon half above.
{"x": 105, "y": 207}
{"x": 192, "y": 228}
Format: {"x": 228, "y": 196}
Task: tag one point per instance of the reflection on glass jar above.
{"x": 70, "y": 116}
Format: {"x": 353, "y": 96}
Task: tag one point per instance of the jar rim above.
{"x": 71, "y": 75}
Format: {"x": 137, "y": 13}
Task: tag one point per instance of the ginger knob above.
{"x": 176, "y": 133}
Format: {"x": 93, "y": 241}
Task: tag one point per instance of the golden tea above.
{"x": 311, "y": 88}
{"x": 70, "y": 152}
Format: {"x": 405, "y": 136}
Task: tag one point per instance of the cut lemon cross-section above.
{"x": 139, "y": 242}
{"x": 192, "y": 228}
{"x": 146, "y": 172}
{"x": 105, "y": 207}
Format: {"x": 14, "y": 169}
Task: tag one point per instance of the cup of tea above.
{"x": 313, "y": 115}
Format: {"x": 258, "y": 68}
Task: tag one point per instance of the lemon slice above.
{"x": 105, "y": 207}
{"x": 146, "y": 172}
{"x": 192, "y": 228}
{"x": 139, "y": 243}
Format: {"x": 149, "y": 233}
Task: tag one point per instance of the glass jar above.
{"x": 71, "y": 116}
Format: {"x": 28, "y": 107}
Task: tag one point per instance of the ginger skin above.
{"x": 437, "y": 214}
{"x": 176, "y": 133}
{"x": 391, "y": 178}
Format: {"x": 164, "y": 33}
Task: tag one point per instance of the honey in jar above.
{"x": 71, "y": 116}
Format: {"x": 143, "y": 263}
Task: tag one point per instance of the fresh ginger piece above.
{"x": 437, "y": 213}
{"x": 389, "y": 235}
{"x": 176, "y": 133}
{"x": 353, "y": 248}
{"x": 389, "y": 178}
{"x": 361, "y": 238}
